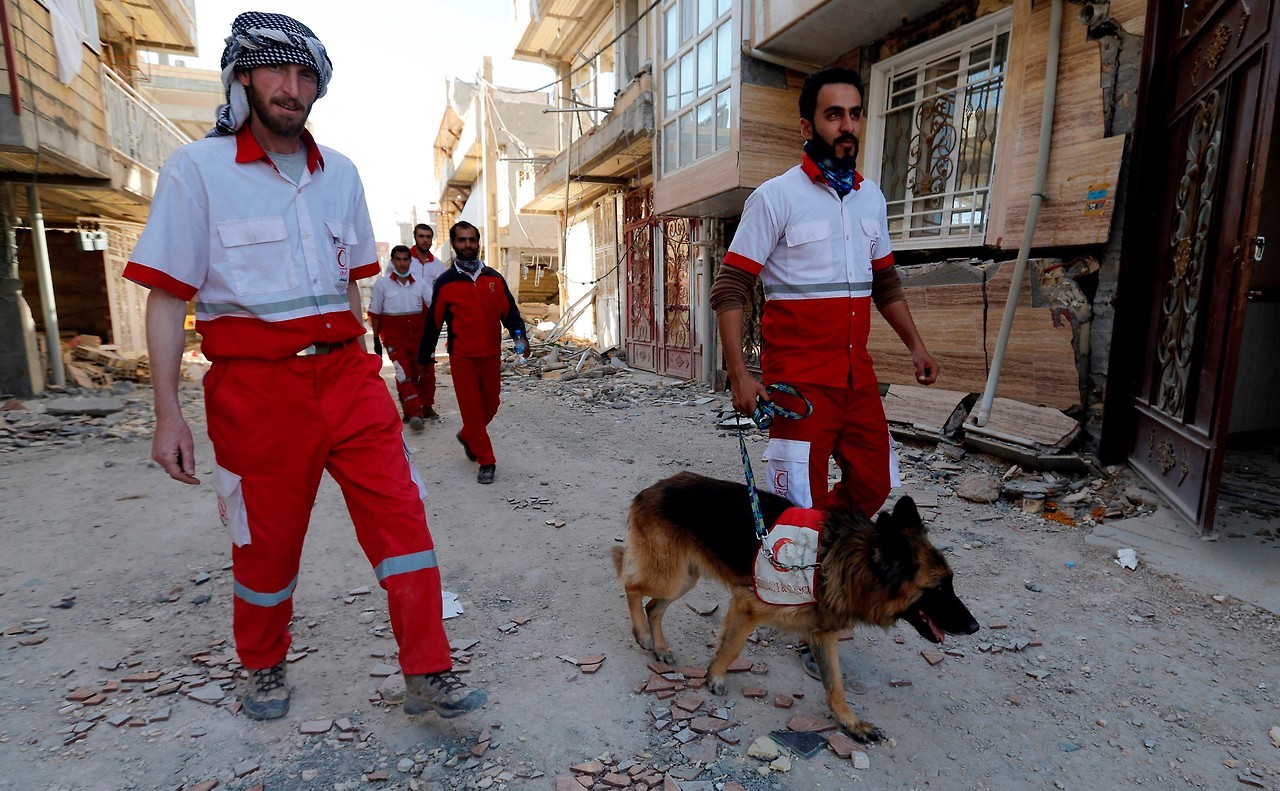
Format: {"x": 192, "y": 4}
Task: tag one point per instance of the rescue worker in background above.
{"x": 398, "y": 312}
{"x": 269, "y": 232}
{"x": 427, "y": 268}
{"x": 818, "y": 237}
{"x": 475, "y": 302}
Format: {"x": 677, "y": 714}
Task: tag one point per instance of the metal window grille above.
{"x": 940, "y": 114}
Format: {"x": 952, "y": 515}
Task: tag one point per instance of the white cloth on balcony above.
{"x": 71, "y": 28}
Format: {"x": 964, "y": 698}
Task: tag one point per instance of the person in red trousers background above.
{"x": 475, "y": 302}
{"x": 398, "y": 312}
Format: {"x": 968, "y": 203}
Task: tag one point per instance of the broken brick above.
{"x": 806, "y": 722}
{"x": 783, "y": 701}
{"x": 932, "y": 656}
{"x": 740, "y": 665}
{"x": 754, "y": 692}
{"x": 841, "y": 745}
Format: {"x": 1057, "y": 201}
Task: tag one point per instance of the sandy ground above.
{"x": 1135, "y": 681}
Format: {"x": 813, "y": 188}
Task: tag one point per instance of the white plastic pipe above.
{"x": 983, "y": 413}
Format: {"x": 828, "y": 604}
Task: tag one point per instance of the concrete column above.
{"x": 44, "y": 276}
{"x": 489, "y": 153}
{"x": 21, "y": 371}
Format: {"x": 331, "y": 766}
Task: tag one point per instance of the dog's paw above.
{"x": 715, "y": 685}
{"x": 864, "y": 732}
{"x": 667, "y": 657}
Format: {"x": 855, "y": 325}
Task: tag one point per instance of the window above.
{"x": 931, "y": 135}
{"x": 697, "y": 52}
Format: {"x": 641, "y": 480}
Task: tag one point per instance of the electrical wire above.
{"x": 598, "y": 52}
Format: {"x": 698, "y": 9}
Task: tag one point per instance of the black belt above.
{"x": 322, "y": 348}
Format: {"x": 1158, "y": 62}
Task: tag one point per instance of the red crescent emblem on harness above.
{"x": 779, "y": 544}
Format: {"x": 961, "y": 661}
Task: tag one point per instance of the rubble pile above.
{"x": 1053, "y": 498}
{"x": 64, "y": 416}
{"x": 90, "y": 364}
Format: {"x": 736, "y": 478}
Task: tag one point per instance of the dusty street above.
{"x": 115, "y": 600}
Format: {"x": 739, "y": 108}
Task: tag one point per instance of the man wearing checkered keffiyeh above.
{"x": 259, "y": 39}
{"x": 270, "y": 234}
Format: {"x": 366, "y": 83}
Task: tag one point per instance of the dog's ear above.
{"x": 891, "y": 552}
{"x": 906, "y": 516}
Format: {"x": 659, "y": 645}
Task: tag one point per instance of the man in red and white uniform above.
{"x": 427, "y": 268}
{"x": 398, "y": 312}
{"x": 475, "y": 302}
{"x": 818, "y": 238}
{"x": 268, "y": 232}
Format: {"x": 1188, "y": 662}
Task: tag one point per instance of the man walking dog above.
{"x": 818, "y": 238}
{"x": 269, "y": 232}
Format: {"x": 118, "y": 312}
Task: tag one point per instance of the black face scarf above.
{"x": 470, "y": 267}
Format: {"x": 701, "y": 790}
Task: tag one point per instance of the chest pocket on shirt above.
{"x": 343, "y": 237}
{"x": 806, "y": 232}
{"x": 871, "y": 233}
{"x": 259, "y": 255}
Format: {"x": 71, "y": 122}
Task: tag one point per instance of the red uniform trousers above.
{"x": 278, "y": 425}
{"x": 415, "y": 384}
{"x": 848, "y": 424}
{"x": 477, "y": 383}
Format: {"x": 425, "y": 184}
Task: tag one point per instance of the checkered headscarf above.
{"x": 259, "y": 39}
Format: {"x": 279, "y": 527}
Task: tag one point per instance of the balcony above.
{"x": 819, "y": 31}
{"x": 154, "y": 24}
{"x": 555, "y": 30}
{"x": 94, "y": 146}
{"x": 136, "y": 129}
{"x": 607, "y": 156}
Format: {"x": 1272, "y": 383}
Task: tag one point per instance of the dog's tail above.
{"x": 618, "y": 553}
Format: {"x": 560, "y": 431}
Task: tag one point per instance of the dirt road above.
{"x": 114, "y": 592}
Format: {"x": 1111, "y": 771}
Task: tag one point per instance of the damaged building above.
{"x": 1133, "y": 262}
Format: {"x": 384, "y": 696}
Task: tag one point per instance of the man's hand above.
{"x": 746, "y": 390}
{"x": 173, "y": 448}
{"x": 926, "y": 367}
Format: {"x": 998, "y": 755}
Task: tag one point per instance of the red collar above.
{"x": 397, "y": 278}
{"x": 414, "y": 252}
{"x": 248, "y": 149}
{"x": 811, "y": 170}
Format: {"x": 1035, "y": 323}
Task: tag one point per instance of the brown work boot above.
{"x": 444, "y": 693}
{"x": 268, "y": 696}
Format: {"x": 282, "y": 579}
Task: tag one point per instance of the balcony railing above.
{"x": 136, "y": 129}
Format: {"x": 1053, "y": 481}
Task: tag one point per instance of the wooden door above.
{"x": 1211, "y": 77}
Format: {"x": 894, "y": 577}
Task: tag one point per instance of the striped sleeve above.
{"x": 756, "y": 237}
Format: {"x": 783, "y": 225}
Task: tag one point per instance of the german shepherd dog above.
{"x": 688, "y": 525}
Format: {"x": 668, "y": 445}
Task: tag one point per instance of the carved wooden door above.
{"x": 1211, "y": 75}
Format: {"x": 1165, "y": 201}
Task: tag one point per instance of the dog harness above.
{"x": 786, "y": 570}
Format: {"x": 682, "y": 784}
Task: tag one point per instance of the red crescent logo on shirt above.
{"x": 780, "y": 483}
{"x": 342, "y": 264}
{"x": 493, "y": 288}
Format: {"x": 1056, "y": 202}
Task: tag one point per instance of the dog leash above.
{"x": 763, "y": 418}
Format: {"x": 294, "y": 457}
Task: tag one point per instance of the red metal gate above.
{"x": 668, "y": 346}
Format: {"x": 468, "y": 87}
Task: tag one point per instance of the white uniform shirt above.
{"x": 394, "y": 298}
{"x": 267, "y": 260}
